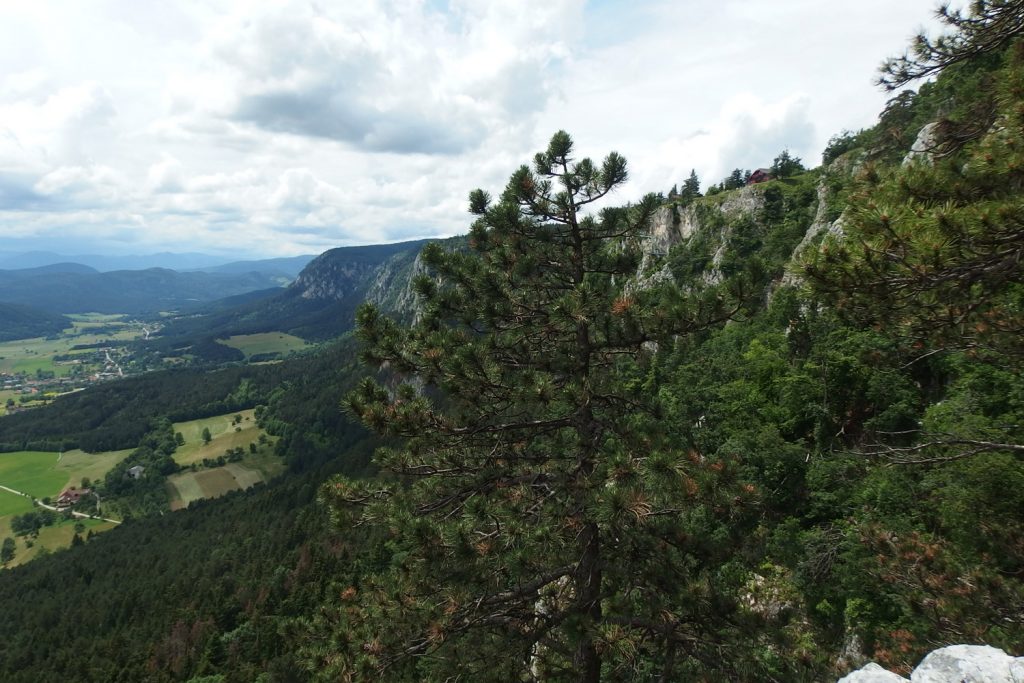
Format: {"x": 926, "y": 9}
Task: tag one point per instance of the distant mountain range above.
{"x": 124, "y": 291}
{"x": 319, "y": 304}
{"x": 314, "y": 298}
{"x": 290, "y": 266}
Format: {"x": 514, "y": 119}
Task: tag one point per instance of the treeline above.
{"x": 23, "y": 322}
{"x": 116, "y": 415}
{"x": 194, "y": 593}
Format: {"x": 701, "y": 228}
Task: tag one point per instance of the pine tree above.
{"x": 987, "y": 26}
{"x": 735, "y": 180}
{"x": 786, "y": 165}
{"x": 533, "y": 521}
{"x": 691, "y": 188}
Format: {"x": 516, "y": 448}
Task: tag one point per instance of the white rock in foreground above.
{"x": 872, "y": 673}
{"x": 969, "y": 664}
{"x": 953, "y": 664}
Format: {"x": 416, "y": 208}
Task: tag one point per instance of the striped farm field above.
{"x": 187, "y": 486}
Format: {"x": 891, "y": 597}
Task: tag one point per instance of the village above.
{"x": 22, "y": 390}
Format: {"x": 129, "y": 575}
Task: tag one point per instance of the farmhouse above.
{"x": 759, "y": 176}
{"x": 71, "y": 495}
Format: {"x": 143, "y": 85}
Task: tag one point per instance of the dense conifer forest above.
{"x": 21, "y": 322}
{"x": 765, "y": 434}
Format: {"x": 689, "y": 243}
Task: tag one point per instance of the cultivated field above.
{"x": 211, "y": 483}
{"x": 226, "y": 434}
{"x": 265, "y": 342}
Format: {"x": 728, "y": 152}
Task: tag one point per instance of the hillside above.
{"x": 22, "y": 322}
{"x": 762, "y": 433}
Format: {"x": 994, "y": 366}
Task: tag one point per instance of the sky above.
{"x": 290, "y": 127}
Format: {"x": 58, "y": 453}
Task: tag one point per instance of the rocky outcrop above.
{"x": 923, "y": 148}
{"x": 872, "y": 673}
{"x": 391, "y": 288}
{"x": 672, "y": 225}
{"x": 339, "y": 273}
{"x": 953, "y": 664}
{"x": 327, "y": 278}
{"x": 818, "y": 227}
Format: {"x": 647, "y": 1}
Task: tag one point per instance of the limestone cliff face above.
{"x": 340, "y": 273}
{"x": 709, "y": 220}
{"x": 327, "y": 277}
{"x": 391, "y": 286}
{"x": 671, "y": 225}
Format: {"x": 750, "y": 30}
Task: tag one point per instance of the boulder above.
{"x": 953, "y": 664}
{"x": 969, "y": 664}
{"x": 872, "y": 673}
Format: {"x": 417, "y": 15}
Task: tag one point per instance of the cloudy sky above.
{"x": 282, "y": 128}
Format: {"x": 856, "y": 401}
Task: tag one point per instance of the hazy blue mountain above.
{"x": 125, "y": 291}
{"x": 290, "y": 266}
{"x": 106, "y": 263}
{"x": 63, "y": 267}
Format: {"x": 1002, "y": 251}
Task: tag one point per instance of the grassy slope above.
{"x": 52, "y": 538}
{"x": 32, "y": 472}
{"x": 78, "y": 464}
{"x": 265, "y": 342}
{"x": 223, "y": 432}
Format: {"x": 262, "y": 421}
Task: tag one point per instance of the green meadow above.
{"x": 50, "y": 539}
{"x": 42, "y": 474}
{"x": 265, "y": 342}
{"x": 224, "y": 436}
{"x": 32, "y": 472}
{"x": 12, "y": 504}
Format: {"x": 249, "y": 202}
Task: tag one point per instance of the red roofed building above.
{"x": 70, "y": 496}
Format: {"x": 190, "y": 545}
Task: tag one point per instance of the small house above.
{"x": 136, "y": 471}
{"x": 71, "y": 495}
{"x": 759, "y": 176}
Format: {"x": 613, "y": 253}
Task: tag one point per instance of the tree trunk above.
{"x": 588, "y": 585}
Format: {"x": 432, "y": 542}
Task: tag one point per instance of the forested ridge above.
{"x": 769, "y": 433}
{"x": 22, "y": 322}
